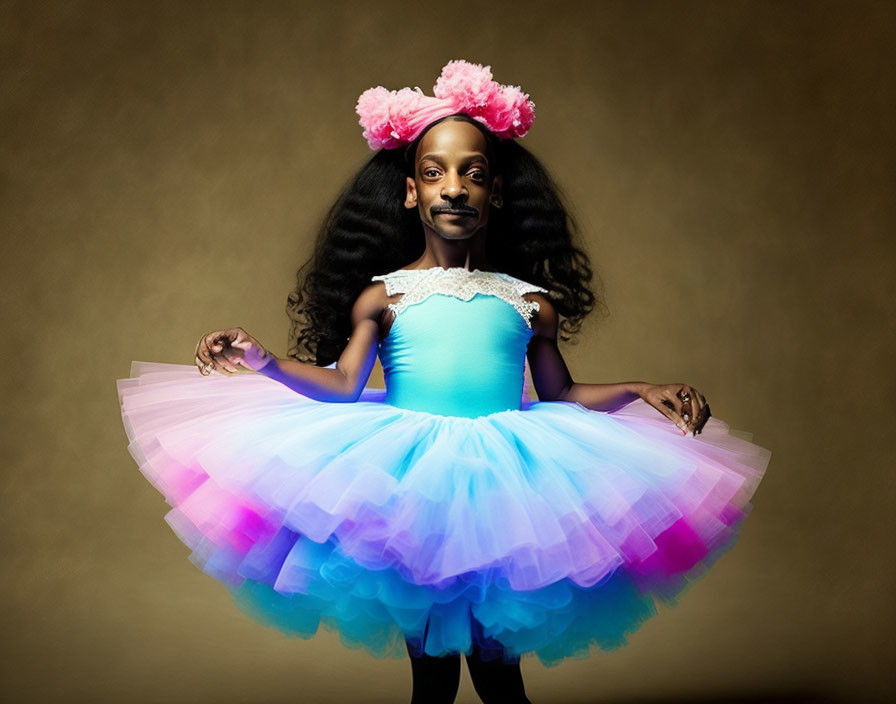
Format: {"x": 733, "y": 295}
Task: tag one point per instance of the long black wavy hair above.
{"x": 368, "y": 231}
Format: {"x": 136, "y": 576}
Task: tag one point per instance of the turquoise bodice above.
{"x": 457, "y": 345}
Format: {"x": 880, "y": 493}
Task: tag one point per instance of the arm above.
{"x": 346, "y": 382}
{"x": 680, "y": 403}
{"x": 551, "y": 376}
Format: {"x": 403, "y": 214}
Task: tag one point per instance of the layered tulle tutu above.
{"x": 557, "y": 527}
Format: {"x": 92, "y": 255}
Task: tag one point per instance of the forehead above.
{"x": 452, "y": 139}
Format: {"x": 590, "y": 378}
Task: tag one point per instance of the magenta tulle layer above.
{"x": 556, "y": 527}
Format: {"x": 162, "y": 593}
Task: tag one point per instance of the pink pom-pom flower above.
{"x": 469, "y": 86}
{"x": 509, "y": 114}
{"x": 393, "y": 118}
{"x": 385, "y": 115}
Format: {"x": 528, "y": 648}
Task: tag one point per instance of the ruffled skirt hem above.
{"x": 545, "y": 530}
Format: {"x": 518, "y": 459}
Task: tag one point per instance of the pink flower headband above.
{"x": 393, "y": 118}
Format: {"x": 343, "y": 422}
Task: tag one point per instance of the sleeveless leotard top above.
{"x": 458, "y": 341}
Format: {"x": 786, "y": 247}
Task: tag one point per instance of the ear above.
{"x": 496, "y": 186}
{"x": 410, "y": 200}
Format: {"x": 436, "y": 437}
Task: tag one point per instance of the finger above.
{"x": 223, "y": 363}
{"x": 673, "y": 416}
{"x": 696, "y": 408}
{"x": 707, "y": 413}
{"x": 696, "y": 401}
{"x": 213, "y": 358}
{"x": 208, "y": 367}
{"x": 684, "y": 410}
{"x": 220, "y": 339}
{"x": 673, "y": 397}
{"x": 210, "y": 361}
{"x": 234, "y": 360}
{"x": 680, "y": 423}
{"x": 229, "y": 357}
{"x": 689, "y": 413}
{"x": 703, "y": 413}
{"x": 213, "y": 345}
{"x": 212, "y": 364}
{"x": 216, "y": 346}
{"x": 203, "y": 357}
{"x": 203, "y": 369}
{"x": 210, "y": 343}
{"x": 202, "y": 349}
{"x": 689, "y": 417}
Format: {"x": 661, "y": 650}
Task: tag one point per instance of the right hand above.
{"x": 689, "y": 416}
{"x": 227, "y": 350}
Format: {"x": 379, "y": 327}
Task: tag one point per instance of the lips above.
{"x": 454, "y": 212}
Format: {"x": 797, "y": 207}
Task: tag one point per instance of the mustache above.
{"x": 466, "y": 209}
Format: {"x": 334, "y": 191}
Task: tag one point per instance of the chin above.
{"x": 453, "y": 234}
{"x": 456, "y": 235}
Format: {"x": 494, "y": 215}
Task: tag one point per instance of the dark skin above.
{"x": 451, "y": 174}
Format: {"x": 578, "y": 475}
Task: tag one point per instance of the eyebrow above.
{"x": 468, "y": 155}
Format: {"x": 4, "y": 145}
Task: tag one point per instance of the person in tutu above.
{"x": 447, "y": 509}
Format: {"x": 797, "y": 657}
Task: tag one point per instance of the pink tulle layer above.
{"x": 497, "y": 512}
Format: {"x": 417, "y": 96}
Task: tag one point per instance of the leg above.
{"x": 436, "y": 679}
{"x": 495, "y": 681}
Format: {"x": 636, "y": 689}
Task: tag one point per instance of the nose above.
{"x": 452, "y": 187}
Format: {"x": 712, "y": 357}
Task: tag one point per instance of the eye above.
{"x": 477, "y": 174}
{"x": 430, "y": 172}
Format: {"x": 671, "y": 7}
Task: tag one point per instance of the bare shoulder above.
{"x": 370, "y": 303}
{"x": 546, "y": 319}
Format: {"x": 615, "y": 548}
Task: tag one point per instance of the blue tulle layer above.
{"x": 551, "y": 530}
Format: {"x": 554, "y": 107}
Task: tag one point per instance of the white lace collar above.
{"x": 419, "y": 284}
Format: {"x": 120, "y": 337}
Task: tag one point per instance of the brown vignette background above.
{"x": 164, "y": 166}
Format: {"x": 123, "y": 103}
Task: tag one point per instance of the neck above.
{"x": 467, "y": 253}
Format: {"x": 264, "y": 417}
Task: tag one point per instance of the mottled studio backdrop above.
{"x": 164, "y": 166}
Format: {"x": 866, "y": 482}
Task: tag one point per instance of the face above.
{"x": 452, "y": 180}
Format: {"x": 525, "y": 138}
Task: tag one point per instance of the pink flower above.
{"x": 385, "y": 115}
{"x": 469, "y": 86}
{"x": 509, "y": 113}
{"x": 403, "y": 104}
{"x": 393, "y": 118}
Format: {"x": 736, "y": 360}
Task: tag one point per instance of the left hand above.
{"x": 227, "y": 350}
{"x": 680, "y": 403}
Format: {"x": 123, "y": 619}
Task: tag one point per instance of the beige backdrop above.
{"x": 165, "y": 165}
